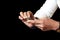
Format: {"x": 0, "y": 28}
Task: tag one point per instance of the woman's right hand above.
{"x": 24, "y": 17}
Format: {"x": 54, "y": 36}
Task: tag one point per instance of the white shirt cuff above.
{"x": 58, "y": 3}
{"x": 47, "y": 10}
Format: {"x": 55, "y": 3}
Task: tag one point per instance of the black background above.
{"x": 32, "y": 5}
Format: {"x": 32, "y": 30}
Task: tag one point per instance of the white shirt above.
{"x": 48, "y": 9}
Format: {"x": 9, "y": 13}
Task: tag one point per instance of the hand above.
{"x": 24, "y": 17}
{"x": 47, "y": 24}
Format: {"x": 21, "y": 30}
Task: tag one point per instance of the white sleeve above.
{"x": 47, "y": 10}
{"x": 58, "y": 3}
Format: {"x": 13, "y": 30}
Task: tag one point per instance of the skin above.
{"x": 44, "y": 24}
{"x": 24, "y": 15}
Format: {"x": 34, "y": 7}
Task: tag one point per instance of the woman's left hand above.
{"x": 47, "y": 24}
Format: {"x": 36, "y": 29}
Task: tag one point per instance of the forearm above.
{"x": 47, "y": 10}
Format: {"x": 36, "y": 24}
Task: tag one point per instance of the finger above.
{"x": 25, "y": 15}
{"x": 28, "y": 24}
{"x": 21, "y": 14}
{"x": 20, "y": 18}
{"x": 31, "y": 21}
{"x": 23, "y": 20}
{"x": 39, "y": 25}
{"x": 30, "y": 14}
{"x": 42, "y": 27}
{"x": 39, "y": 21}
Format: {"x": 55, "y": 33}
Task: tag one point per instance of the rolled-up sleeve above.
{"x": 47, "y": 10}
{"x": 58, "y": 3}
